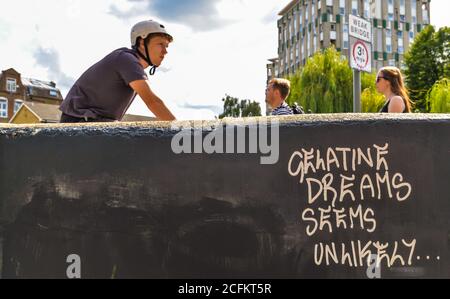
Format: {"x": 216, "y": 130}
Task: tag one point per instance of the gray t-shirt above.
{"x": 103, "y": 91}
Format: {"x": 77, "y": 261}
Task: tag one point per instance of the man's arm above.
{"x": 153, "y": 102}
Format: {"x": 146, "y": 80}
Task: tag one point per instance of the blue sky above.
{"x": 220, "y": 47}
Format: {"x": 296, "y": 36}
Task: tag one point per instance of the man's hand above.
{"x": 152, "y": 101}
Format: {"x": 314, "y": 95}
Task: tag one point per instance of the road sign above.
{"x": 360, "y": 55}
{"x": 360, "y": 32}
{"x": 360, "y": 28}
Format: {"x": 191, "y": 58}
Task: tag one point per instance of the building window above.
{"x": 308, "y": 44}
{"x": 391, "y": 10}
{"x": 291, "y": 29}
{"x": 377, "y": 9}
{"x": 17, "y": 104}
{"x": 411, "y": 36}
{"x": 402, "y": 11}
{"x": 345, "y": 37}
{"x": 425, "y": 14}
{"x": 307, "y": 14}
{"x": 342, "y": 7}
{"x": 401, "y": 49}
{"x": 388, "y": 41}
{"x": 354, "y": 7}
{"x": 11, "y": 85}
{"x": 414, "y": 11}
{"x": 53, "y": 93}
{"x": 379, "y": 44}
{"x": 3, "y": 108}
{"x": 366, "y": 9}
{"x": 295, "y": 22}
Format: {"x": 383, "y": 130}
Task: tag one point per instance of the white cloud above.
{"x": 439, "y": 13}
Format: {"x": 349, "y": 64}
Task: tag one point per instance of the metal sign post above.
{"x": 356, "y": 91}
{"x": 360, "y": 32}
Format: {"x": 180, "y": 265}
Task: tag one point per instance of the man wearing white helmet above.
{"x": 106, "y": 90}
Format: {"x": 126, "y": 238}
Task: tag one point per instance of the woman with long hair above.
{"x": 390, "y": 83}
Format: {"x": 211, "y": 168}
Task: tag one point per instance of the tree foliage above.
{"x": 427, "y": 61}
{"x": 439, "y": 97}
{"x": 371, "y": 100}
{"x": 324, "y": 85}
{"x": 233, "y": 107}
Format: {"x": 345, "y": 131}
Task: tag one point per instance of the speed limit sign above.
{"x": 360, "y": 55}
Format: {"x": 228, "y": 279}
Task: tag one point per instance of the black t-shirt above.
{"x": 103, "y": 91}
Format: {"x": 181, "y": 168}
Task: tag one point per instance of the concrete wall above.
{"x": 345, "y": 188}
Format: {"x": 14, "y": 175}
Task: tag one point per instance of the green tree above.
{"x": 427, "y": 61}
{"x": 233, "y": 107}
{"x": 439, "y": 97}
{"x": 371, "y": 100}
{"x": 324, "y": 85}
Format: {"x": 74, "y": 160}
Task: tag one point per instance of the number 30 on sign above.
{"x": 361, "y": 56}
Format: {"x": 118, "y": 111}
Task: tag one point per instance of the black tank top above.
{"x": 385, "y": 108}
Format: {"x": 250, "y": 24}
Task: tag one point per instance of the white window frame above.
{"x": 3, "y": 111}
{"x": 16, "y": 106}
{"x": 11, "y": 84}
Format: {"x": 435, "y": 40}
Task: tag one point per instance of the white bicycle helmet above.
{"x": 143, "y": 30}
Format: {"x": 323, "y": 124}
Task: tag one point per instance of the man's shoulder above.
{"x": 283, "y": 110}
{"x": 125, "y": 59}
{"x": 125, "y": 52}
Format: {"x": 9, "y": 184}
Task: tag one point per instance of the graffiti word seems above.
{"x": 346, "y": 219}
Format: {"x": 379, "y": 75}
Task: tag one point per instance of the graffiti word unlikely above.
{"x": 358, "y": 254}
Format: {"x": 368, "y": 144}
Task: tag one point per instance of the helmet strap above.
{"x": 146, "y": 57}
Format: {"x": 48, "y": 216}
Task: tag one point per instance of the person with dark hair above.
{"x": 277, "y": 92}
{"x": 390, "y": 83}
{"x": 106, "y": 90}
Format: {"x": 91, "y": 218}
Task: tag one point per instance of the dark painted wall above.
{"x": 121, "y": 199}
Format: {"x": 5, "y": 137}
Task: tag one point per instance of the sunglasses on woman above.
{"x": 379, "y": 78}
